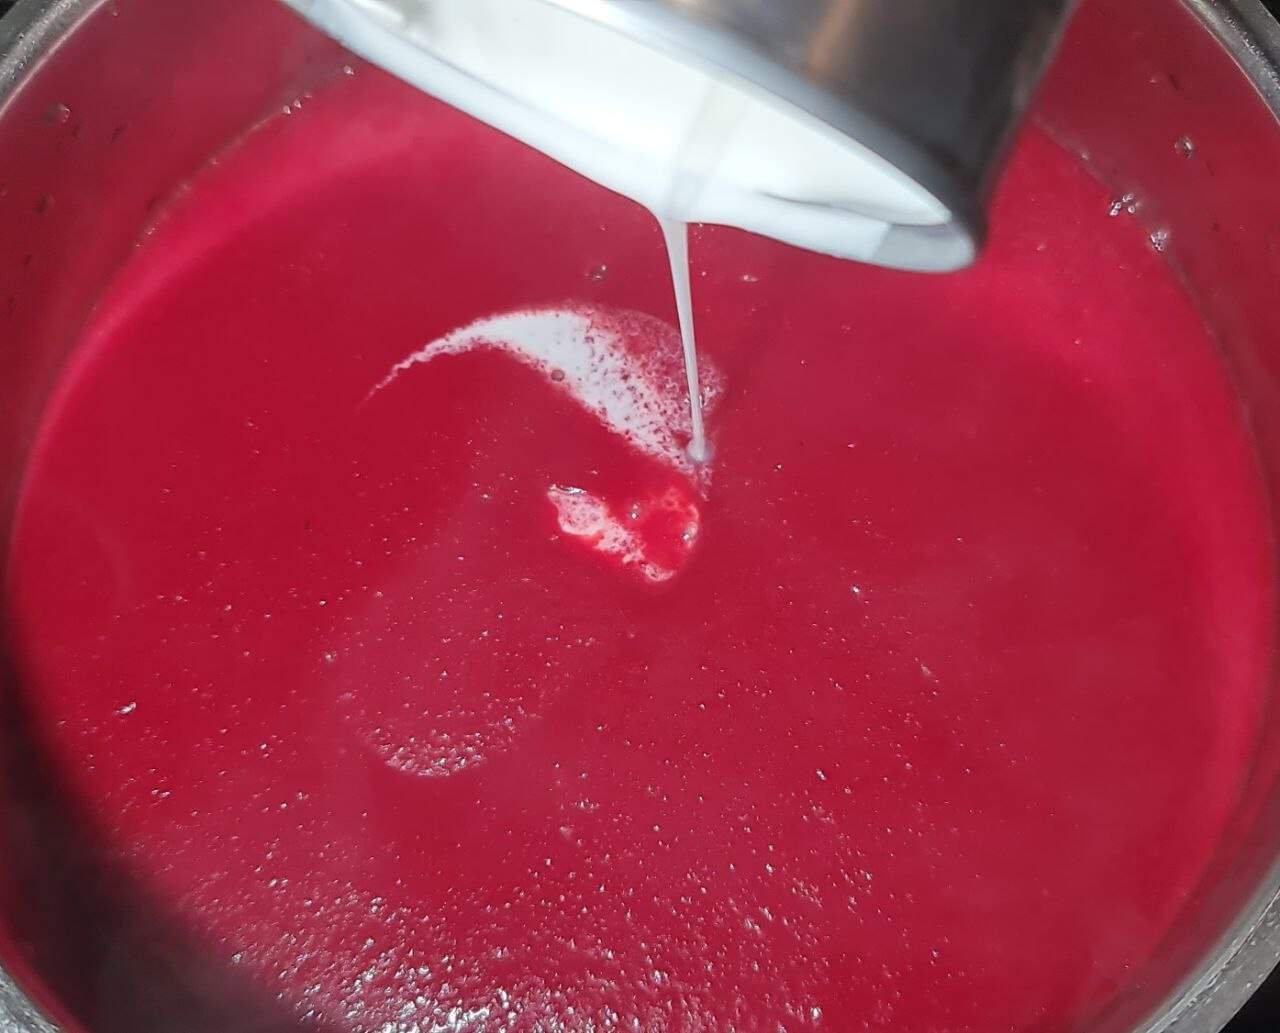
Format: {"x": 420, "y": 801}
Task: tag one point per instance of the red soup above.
{"x": 431, "y": 687}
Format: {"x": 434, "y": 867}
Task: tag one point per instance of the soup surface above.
{"x": 369, "y": 605}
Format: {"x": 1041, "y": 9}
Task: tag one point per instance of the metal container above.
{"x": 933, "y": 90}
{"x": 107, "y": 105}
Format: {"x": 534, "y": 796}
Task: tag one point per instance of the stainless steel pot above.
{"x": 107, "y": 105}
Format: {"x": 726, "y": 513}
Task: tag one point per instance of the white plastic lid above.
{"x": 688, "y": 142}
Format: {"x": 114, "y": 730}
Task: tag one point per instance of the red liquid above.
{"x": 935, "y": 729}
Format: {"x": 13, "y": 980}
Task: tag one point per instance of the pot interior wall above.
{"x": 144, "y": 92}
{"x": 102, "y": 132}
{"x": 1161, "y": 112}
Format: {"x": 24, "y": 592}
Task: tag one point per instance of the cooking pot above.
{"x": 106, "y": 106}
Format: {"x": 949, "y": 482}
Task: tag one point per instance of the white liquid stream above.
{"x": 677, "y": 238}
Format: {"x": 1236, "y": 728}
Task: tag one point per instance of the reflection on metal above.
{"x": 831, "y": 36}
{"x": 17, "y": 1013}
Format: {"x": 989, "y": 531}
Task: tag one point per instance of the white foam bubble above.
{"x": 636, "y": 388}
{"x": 582, "y": 515}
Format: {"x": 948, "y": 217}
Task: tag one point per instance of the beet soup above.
{"x": 375, "y": 618}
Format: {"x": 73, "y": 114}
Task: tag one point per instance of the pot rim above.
{"x": 1210, "y": 996}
